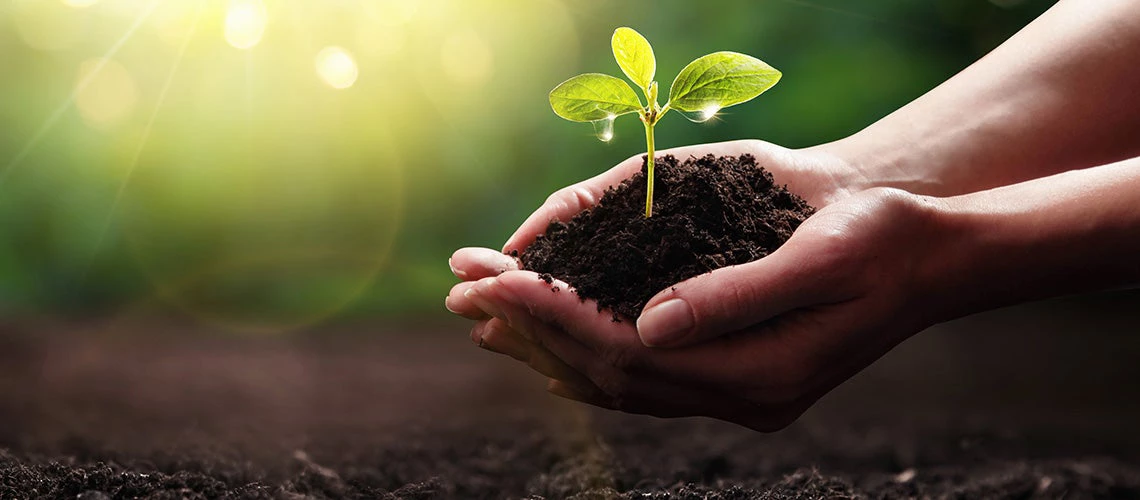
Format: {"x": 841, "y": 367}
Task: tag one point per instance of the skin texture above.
{"x": 913, "y": 230}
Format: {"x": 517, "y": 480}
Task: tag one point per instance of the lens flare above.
{"x": 110, "y": 93}
{"x": 709, "y": 111}
{"x": 336, "y": 67}
{"x": 45, "y": 25}
{"x": 245, "y": 23}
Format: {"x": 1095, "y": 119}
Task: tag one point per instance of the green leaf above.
{"x": 634, "y": 55}
{"x": 593, "y": 96}
{"x": 720, "y": 80}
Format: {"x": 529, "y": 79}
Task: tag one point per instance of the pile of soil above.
{"x": 709, "y": 213}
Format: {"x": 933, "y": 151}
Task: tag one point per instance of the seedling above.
{"x": 704, "y": 87}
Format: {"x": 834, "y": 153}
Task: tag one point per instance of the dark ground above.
{"x": 708, "y": 212}
{"x": 1026, "y": 402}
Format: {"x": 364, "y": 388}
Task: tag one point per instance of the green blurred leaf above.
{"x": 634, "y": 55}
{"x": 720, "y": 80}
{"x": 593, "y": 96}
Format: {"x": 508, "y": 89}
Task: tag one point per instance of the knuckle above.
{"x": 557, "y": 199}
{"x": 740, "y": 293}
{"x": 572, "y": 198}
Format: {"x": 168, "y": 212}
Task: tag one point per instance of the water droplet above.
{"x": 604, "y": 128}
{"x": 705, "y": 114}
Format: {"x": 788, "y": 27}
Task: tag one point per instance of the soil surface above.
{"x": 708, "y": 213}
{"x": 1031, "y": 402}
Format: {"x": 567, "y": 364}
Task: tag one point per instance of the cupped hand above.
{"x": 754, "y": 344}
{"x": 754, "y": 376}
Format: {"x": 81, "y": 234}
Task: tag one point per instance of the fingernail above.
{"x": 447, "y": 305}
{"x": 474, "y": 295}
{"x": 458, "y": 274}
{"x": 665, "y": 323}
{"x": 484, "y": 345}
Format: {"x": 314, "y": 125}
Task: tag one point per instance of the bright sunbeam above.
{"x": 245, "y": 23}
{"x": 142, "y": 141}
{"x": 83, "y": 83}
{"x": 336, "y": 67}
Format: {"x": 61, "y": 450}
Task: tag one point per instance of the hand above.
{"x": 817, "y": 175}
{"x": 813, "y": 173}
{"x": 759, "y": 342}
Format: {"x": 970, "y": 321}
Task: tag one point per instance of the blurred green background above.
{"x": 267, "y": 166}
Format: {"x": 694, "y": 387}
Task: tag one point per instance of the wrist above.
{"x": 875, "y": 157}
{"x": 1068, "y": 233}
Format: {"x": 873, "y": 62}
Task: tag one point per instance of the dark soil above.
{"x": 708, "y": 213}
{"x": 1023, "y": 403}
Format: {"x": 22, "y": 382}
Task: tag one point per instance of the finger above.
{"x": 474, "y": 263}
{"x": 611, "y": 364}
{"x": 735, "y": 297}
{"x": 569, "y": 201}
{"x": 780, "y": 359}
{"x": 524, "y": 300}
{"x": 574, "y": 393}
{"x": 460, "y": 305}
{"x": 634, "y": 391}
{"x": 495, "y": 335}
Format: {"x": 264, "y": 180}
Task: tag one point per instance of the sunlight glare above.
{"x": 46, "y": 25}
{"x": 336, "y": 67}
{"x": 709, "y": 111}
{"x": 245, "y": 23}
{"x": 110, "y": 93}
{"x": 383, "y": 43}
{"x": 79, "y": 4}
{"x": 466, "y": 58}
{"x": 390, "y": 12}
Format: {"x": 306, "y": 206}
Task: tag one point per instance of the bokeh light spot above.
{"x": 467, "y": 59}
{"x": 245, "y": 23}
{"x": 46, "y": 25}
{"x": 106, "y": 93}
{"x": 336, "y": 67}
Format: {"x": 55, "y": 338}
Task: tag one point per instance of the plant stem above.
{"x": 649, "y": 173}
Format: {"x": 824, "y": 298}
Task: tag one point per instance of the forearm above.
{"x": 1067, "y": 233}
{"x": 1059, "y": 95}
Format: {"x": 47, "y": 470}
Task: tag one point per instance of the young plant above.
{"x": 704, "y": 87}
